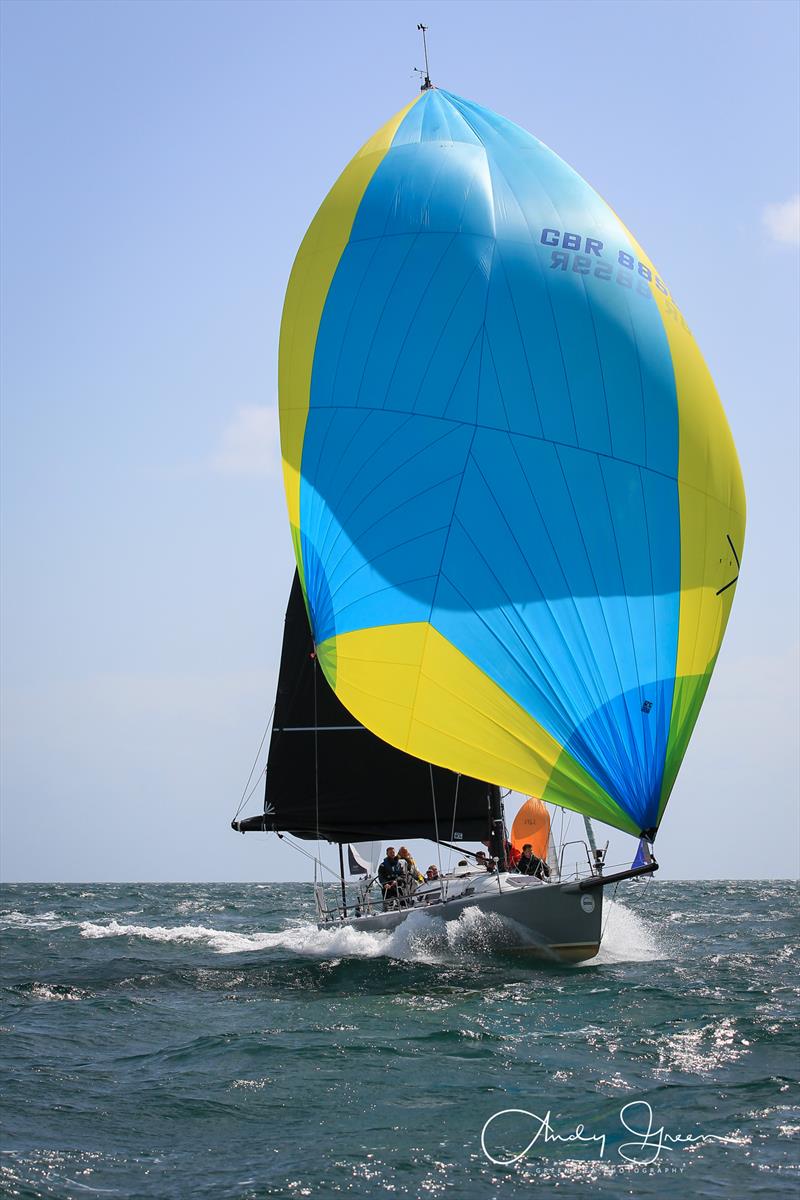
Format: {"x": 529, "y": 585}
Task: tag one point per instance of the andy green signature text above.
{"x": 645, "y": 1148}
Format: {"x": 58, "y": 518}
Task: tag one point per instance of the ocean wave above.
{"x": 56, "y": 991}
{"x": 222, "y": 940}
{"x": 45, "y": 920}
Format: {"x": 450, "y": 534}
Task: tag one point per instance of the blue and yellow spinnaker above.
{"x": 516, "y": 504}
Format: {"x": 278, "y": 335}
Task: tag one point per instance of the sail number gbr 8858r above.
{"x": 584, "y": 256}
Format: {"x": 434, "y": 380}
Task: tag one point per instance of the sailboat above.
{"x": 517, "y": 514}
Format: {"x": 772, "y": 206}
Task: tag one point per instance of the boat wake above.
{"x": 628, "y": 937}
{"x": 421, "y": 938}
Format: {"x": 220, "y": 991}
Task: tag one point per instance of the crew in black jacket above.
{"x": 529, "y": 864}
{"x": 390, "y": 873}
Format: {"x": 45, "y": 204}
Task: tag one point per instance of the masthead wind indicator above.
{"x": 426, "y": 83}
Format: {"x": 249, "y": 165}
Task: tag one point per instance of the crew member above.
{"x": 530, "y": 864}
{"x": 390, "y": 875}
{"x": 410, "y": 867}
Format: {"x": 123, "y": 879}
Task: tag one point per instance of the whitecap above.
{"x": 41, "y": 991}
{"x": 45, "y": 920}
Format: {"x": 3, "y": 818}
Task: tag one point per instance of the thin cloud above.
{"x": 250, "y": 444}
{"x": 782, "y": 221}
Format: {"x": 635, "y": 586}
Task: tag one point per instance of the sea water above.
{"x": 206, "y": 1040}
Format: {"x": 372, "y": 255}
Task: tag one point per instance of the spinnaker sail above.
{"x": 532, "y": 826}
{"x": 515, "y": 500}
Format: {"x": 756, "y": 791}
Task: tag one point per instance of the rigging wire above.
{"x": 453, "y": 828}
{"x": 245, "y": 794}
{"x": 436, "y": 823}
{"x": 629, "y": 902}
{"x": 634, "y": 903}
{"x": 455, "y": 807}
{"x": 252, "y": 791}
{"x": 316, "y": 759}
{"x": 608, "y": 914}
{"x": 295, "y": 845}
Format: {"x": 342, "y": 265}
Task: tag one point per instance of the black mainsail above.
{"x": 328, "y": 776}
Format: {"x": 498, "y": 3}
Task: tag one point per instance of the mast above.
{"x": 498, "y": 826}
{"x": 341, "y": 876}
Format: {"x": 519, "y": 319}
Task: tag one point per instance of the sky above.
{"x": 160, "y": 165}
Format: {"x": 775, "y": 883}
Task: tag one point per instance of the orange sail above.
{"x": 532, "y": 824}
